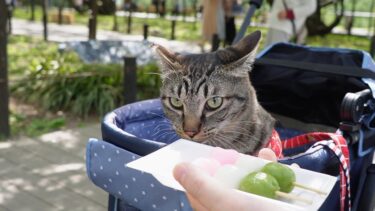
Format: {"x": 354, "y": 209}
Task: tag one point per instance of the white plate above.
{"x": 161, "y": 163}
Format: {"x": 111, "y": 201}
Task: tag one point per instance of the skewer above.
{"x": 293, "y": 197}
{"x": 309, "y": 188}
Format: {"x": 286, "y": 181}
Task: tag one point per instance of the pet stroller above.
{"x": 307, "y": 89}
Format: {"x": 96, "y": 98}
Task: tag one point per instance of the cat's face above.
{"x": 209, "y": 98}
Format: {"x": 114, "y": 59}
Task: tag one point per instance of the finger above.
{"x": 268, "y": 154}
{"x": 207, "y": 194}
{"x": 196, "y": 204}
{"x": 201, "y": 186}
{"x": 295, "y": 165}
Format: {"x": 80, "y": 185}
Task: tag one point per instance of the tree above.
{"x": 4, "y": 93}
{"x": 32, "y": 5}
{"x": 107, "y": 7}
{"x": 317, "y": 24}
{"x": 45, "y": 19}
{"x": 93, "y": 19}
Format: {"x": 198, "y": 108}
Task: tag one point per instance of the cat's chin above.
{"x": 200, "y": 137}
{"x": 195, "y": 139}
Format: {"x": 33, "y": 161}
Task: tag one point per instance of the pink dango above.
{"x": 207, "y": 165}
{"x": 229, "y": 175}
{"x": 224, "y": 156}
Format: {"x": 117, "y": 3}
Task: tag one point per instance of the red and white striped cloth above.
{"x": 274, "y": 143}
{"x": 335, "y": 142}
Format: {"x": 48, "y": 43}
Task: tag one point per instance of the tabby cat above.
{"x": 209, "y": 98}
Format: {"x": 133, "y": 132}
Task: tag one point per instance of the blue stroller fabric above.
{"x": 106, "y": 161}
{"x": 138, "y": 129}
{"x": 137, "y": 189}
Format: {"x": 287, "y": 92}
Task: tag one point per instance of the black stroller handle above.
{"x": 315, "y": 67}
{"x": 254, "y": 4}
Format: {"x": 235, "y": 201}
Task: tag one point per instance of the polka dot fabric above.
{"x": 146, "y": 120}
{"x": 106, "y": 167}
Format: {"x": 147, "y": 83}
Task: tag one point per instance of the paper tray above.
{"x": 161, "y": 163}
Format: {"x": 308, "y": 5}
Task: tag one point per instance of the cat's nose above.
{"x": 192, "y": 125}
{"x": 191, "y": 134}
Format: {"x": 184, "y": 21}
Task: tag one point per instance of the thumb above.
{"x": 209, "y": 193}
{"x": 200, "y": 185}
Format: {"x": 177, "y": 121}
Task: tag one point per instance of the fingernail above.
{"x": 180, "y": 171}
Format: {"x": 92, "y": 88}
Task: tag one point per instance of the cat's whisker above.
{"x": 164, "y": 134}
{"x": 174, "y": 137}
{"x": 237, "y": 128}
{"x": 154, "y": 73}
{"x": 165, "y": 77}
{"x": 164, "y": 129}
{"x": 161, "y": 116}
{"x": 238, "y": 132}
{"x": 246, "y": 121}
{"x": 161, "y": 131}
{"x": 235, "y": 144}
{"x": 222, "y": 140}
{"x": 162, "y": 125}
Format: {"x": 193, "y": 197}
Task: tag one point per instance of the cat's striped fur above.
{"x": 209, "y": 98}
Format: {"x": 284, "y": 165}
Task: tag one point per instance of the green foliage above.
{"x": 148, "y": 81}
{"x": 23, "y": 125}
{"x": 89, "y": 89}
{"x": 23, "y": 50}
{"x": 340, "y": 41}
{"x": 56, "y": 84}
{"x": 61, "y": 82}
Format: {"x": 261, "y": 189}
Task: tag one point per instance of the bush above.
{"x": 56, "y": 85}
{"x": 23, "y": 125}
{"x": 62, "y": 84}
{"x": 148, "y": 82}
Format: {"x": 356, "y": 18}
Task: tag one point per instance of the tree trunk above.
{"x": 115, "y": 22}
{"x": 93, "y": 19}
{"x": 9, "y": 15}
{"x": 60, "y": 14}
{"x": 45, "y": 19}
{"x": 32, "y": 4}
{"x": 4, "y": 93}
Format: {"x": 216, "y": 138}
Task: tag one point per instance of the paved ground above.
{"x": 48, "y": 173}
{"x": 63, "y": 33}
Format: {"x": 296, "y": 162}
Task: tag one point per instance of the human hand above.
{"x": 267, "y": 154}
{"x": 206, "y": 194}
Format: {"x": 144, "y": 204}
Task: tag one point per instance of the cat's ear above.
{"x": 242, "y": 53}
{"x": 169, "y": 59}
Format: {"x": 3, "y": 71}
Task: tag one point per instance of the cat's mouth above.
{"x": 199, "y": 137}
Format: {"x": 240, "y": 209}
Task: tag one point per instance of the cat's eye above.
{"x": 175, "y": 102}
{"x": 214, "y": 103}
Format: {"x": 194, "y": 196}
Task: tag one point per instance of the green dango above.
{"x": 260, "y": 183}
{"x": 284, "y": 175}
{"x": 263, "y": 184}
